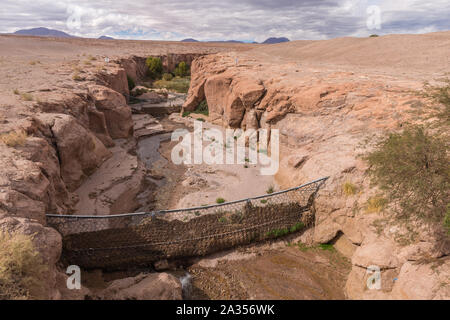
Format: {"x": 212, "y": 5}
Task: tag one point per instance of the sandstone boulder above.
{"x": 117, "y": 112}
{"x": 80, "y": 152}
{"x": 381, "y": 253}
{"x": 418, "y": 281}
{"x": 116, "y": 79}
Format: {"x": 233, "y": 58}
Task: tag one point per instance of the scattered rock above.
{"x": 154, "y": 286}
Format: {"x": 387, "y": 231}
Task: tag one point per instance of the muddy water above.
{"x": 166, "y": 177}
{"x": 148, "y": 150}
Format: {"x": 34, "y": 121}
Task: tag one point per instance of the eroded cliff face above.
{"x": 325, "y": 116}
{"x": 72, "y": 129}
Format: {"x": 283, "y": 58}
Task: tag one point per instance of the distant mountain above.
{"x": 276, "y": 40}
{"x": 189, "y": 40}
{"x": 105, "y": 38}
{"x": 43, "y": 32}
{"x": 227, "y": 41}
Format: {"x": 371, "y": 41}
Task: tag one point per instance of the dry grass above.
{"x": 21, "y": 268}
{"x": 14, "y": 138}
{"x": 376, "y": 204}
{"x": 76, "y": 77}
{"x": 349, "y": 188}
{"x": 26, "y": 96}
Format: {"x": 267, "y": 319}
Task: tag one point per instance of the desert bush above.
{"x": 167, "y": 76}
{"x": 21, "y": 267}
{"x": 26, "y": 96}
{"x": 155, "y": 67}
{"x": 270, "y": 190}
{"x": 349, "y": 188}
{"x": 182, "y": 70}
{"x": 220, "y": 200}
{"x": 14, "y": 138}
{"x": 202, "y": 108}
{"x": 440, "y": 101}
{"x": 76, "y": 77}
{"x": 412, "y": 169}
{"x": 131, "y": 83}
{"x": 376, "y": 204}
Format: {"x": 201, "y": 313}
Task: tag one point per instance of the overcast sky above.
{"x": 248, "y": 20}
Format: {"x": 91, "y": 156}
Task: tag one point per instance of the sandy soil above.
{"x": 285, "y": 273}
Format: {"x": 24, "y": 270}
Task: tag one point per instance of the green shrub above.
{"x": 270, "y": 190}
{"x": 202, "y": 108}
{"x": 440, "y": 96}
{"x": 447, "y": 220}
{"x": 167, "y": 76}
{"x": 374, "y": 36}
{"x": 180, "y": 85}
{"x": 327, "y": 247}
{"x": 412, "y": 168}
{"x": 131, "y": 83}
{"x": 155, "y": 67}
{"x": 220, "y": 200}
{"x": 21, "y": 268}
{"x": 182, "y": 70}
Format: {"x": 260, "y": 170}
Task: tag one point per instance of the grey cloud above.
{"x": 234, "y": 19}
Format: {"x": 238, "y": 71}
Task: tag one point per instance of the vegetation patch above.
{"x": 375, "y": 204}
{"x": 412, "y": 168}
{"x": 14, "y": 138}
{"x": 21, "y": 268}
{"x": 283, "y": 232}
{"x": 77, "y": 77}
{"x": 447, "y": 220}
{"x": 177, "y": 84}
{"x": 440, "y": 102}
{"x": 349, "y": 188}
{"x": 220, "y": 200}
{"x": 131, "y": 83}
{"x": 182, "y": 70}
{"x": 326, "y": 247}
{"x": 202, "y": 108}
{"x": 167, "y": 76}
{"x": 155, "y": 67}
{"x": 26, "y": 96}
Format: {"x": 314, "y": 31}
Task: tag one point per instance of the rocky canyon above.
{"x": 71, "y": 143}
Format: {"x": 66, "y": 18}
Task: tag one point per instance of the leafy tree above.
{"x": 182, "y": 70}
{"x": 412, "y": 168}
{"x": 155, "y": 67}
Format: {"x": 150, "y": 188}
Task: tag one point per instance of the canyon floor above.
{"x": 87, "y": 150}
